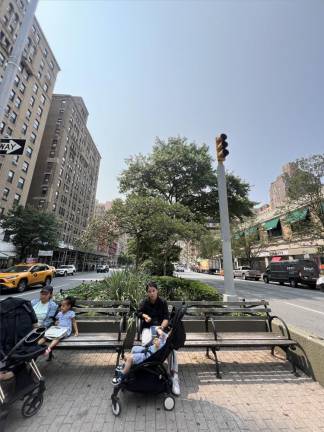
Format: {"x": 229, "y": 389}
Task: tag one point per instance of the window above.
{"x": 5, "y": 193}
{"x": 21, "y": 183}
{"x": 18, "y": 102}
{"x": 29, "y": 151}
{"x": 43, "y": 99}
{"x": 36, "y": 124}
{"x": 39, "y": 75}
{"x": 35, "y": 88}
{"x": 17, "y": 81}
{"x": 54, "y": 207}
{"x": 12, "y": 95}
{"x": 28, "y": 114}
{"x": 37, "y": 38}
{"x": 17, "y": 198}
{"x": 33, "y": 137}
{"x": 45, "y": 87}
{"x": 25, "y": 166}
{"x": 40, "y": 111}
{"x": 32, "y": 101}
{"x": 42, "y": 64}
{"x": 10, "y": 176}
{"x": 46, "y": 178}
{"x": 9, "y": 131}
{"x": 1, "y": 211}
{"x": 2, "y": 126}
{"x": 25, "y": 75}
{"x": 24, "y": 129}
{"x": 51, "y": 65}
{"x": 13, "y": 117}
{"x": 45, "y": 52}
{"x": 15, "y": 160}
{"x": 44, "y": 191}
{"x": 22, "y": 88}
{"x": 52, "y": 153}
{"x": 7, "y": 109}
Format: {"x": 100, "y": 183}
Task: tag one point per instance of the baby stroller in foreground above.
{"x": 151, "y": 375}
{"x": 18, "y": 358}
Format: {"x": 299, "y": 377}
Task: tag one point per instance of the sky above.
{"x": 251, "y": 69}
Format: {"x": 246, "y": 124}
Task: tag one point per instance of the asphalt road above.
{"x": 300, "y": 307}
{"x": 60, "y": 282}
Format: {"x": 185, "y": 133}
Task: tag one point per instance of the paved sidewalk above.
{"x": 257, "y": 393}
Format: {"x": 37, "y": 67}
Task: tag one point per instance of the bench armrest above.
{"x": 139, "y": 326}
{"x": 214, "y": 327}
{"x": 282, "y": 322}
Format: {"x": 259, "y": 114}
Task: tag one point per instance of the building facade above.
{"x": 28, "y": 107}
{"x": 66, "y": 174}
{"x": 278, "y": 188}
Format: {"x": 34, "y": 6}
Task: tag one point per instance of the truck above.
{"x": 246, "y": 272}
{"x": 208, "y": 266}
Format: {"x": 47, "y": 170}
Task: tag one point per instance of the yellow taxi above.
{"x": 21, "y": 276}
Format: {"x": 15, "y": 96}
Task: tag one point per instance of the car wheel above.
{"x": 244, "y": 277}
{"x": 22, "y": 286}
{"x": 65, "y": 274}
{"x": 281, "y": 283}
{"x": 265, "y": 279}
{"x": 47, "y": 281}
{"x": 169, "y": 403}
{"x": 257, "y": 279}
{"x": 293, "y": 283}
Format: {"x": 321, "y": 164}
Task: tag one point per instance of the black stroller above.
{"x": 18, "y": 352}
{"x": 151, "y": 375}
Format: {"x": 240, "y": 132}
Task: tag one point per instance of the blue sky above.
{"x": 251, "y": 69}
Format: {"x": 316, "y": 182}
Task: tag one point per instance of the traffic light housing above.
{"x": 221, "y": 146}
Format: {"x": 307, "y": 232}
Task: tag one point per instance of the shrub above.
{"x": 130, "y": 285}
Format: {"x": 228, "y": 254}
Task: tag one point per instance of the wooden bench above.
{"x": 242, "y": 324}
{"x": 101, "y": 324}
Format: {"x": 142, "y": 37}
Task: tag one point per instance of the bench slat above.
{"x": 206, "y": 311}
{"x": 101, "y": 310}
{"x": 103, "y": 303}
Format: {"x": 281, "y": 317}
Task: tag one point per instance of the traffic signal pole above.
{"x": 229, "y": 292}
{"x": 15, "y": 57}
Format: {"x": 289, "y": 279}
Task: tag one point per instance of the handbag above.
{"x": 56, "y": 332}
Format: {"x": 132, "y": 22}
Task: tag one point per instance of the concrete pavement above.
{"x": 257, "y": 393}
{"x": 300, "y": 307}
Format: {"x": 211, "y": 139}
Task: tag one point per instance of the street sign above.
{"x": 12, "y": 146}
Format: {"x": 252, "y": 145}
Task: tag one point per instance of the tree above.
{"x": 182, "y": 172}
{"x": 247, "y": 246}
{"x": 31, "y": 230}
{"x": 155, "y": 227}
{"x": 210, "y": 245}
{"x": 101, "y": 231}
{"x": 305, "y": 189}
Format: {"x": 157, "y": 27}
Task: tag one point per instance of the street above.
{"x": 58, "y": 283}
{"x": 300, "y": 307}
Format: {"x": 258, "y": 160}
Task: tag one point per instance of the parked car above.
{"x": 103, "y": 268}
{"x": 65, "y": 270}
{"x": 320, "y": 282}
{"x": 246, "y": 272}
{"x": 21, "y": 276}
{"x": 179, "y": 268}
{"x": 293, "y": 272}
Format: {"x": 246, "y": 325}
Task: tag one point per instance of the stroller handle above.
{"x": 32, "y": 337}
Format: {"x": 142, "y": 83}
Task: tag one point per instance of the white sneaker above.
{"x": 175, "y": 385}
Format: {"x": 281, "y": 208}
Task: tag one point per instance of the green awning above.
{"x": 251, "y": 231}
{"x": 271, "y": 224}
{"x": 297, "y": 215}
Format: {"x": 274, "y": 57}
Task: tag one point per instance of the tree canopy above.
{"x": 31, "y": 230}
{"x": 182, "y": 172}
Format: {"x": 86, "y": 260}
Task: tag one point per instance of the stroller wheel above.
{"x": 32, "y": 405}
{"x": 116, "y": 408}
{"x": 169, "y": 403}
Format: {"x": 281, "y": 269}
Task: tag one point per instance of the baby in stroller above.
{"x": 144, "y": 371}
{"x": 139, "y": 354}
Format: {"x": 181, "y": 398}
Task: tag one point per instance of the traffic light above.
{"x": 221, "y": 146}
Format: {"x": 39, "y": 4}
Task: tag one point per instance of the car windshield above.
{"x": 65, "y": 266}
{"x": 17, "y": 269}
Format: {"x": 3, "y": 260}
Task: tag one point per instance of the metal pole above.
{"x": 230, "y": 293}
{"x": 15, "y": 57}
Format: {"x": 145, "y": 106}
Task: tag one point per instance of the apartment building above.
{"x": 66, "y": 174}
{"x": 30, "y": 99}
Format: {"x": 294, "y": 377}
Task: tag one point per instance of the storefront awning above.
{"x": 271, "y": 224}
{"x": 251, "y": 231}
{"x": 297, "y": 215}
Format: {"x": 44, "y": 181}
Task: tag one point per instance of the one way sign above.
{"x": 12, "y": 146}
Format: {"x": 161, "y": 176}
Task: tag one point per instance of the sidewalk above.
{"x": 257, "y": 393}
